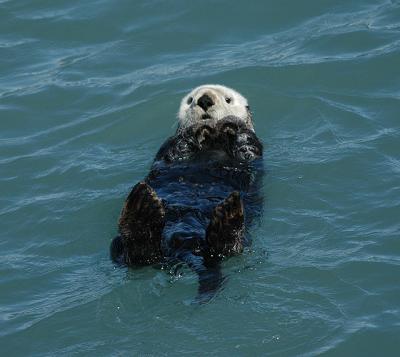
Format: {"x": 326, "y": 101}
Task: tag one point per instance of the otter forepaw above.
{"x": 140, "y": 226}
{"x": 246, "y": 147}
{"x": 204, "y": 135}
{"x": 225, "y": 232}
{"x": 230, "y": 126}
{"x": 246, "y": 153}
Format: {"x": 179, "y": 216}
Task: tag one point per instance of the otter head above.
{"x": 210, "y": 103}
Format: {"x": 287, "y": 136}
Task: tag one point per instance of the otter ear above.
{"x": 249, "y": 114}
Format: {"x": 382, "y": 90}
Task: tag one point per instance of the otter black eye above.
{"x": 190, "y": 100}
{"x": 228, "y": 100}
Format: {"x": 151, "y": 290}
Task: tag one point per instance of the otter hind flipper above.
{"x": 224, "y": 233}
{"x": 140, "y": 226}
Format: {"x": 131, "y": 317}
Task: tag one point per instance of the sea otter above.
{"x": 202, "y": 191}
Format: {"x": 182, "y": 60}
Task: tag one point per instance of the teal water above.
{"x": 89, "y": 91}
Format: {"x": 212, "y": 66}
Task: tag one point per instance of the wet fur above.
{"x": 200, "y": 195}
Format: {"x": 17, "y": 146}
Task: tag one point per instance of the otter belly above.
{"x": 191, "y": 190}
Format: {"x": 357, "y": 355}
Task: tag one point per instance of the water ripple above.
{"x": 90, "y": 91}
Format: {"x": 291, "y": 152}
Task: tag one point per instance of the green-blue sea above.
{"x": 89, "y": 90}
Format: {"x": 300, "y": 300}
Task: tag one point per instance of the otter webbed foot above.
{"x": 140, "y": 226}
{"x": 224, "y": 234}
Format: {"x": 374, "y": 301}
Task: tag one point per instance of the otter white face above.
{"x": 213, "y": 102}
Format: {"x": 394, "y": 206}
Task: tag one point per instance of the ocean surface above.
{"x": 88, "y": 92}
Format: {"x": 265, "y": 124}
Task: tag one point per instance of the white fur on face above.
{"x": 226, "y": 102}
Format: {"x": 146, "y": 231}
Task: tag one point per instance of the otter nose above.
{"x": 205, "y": 102}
